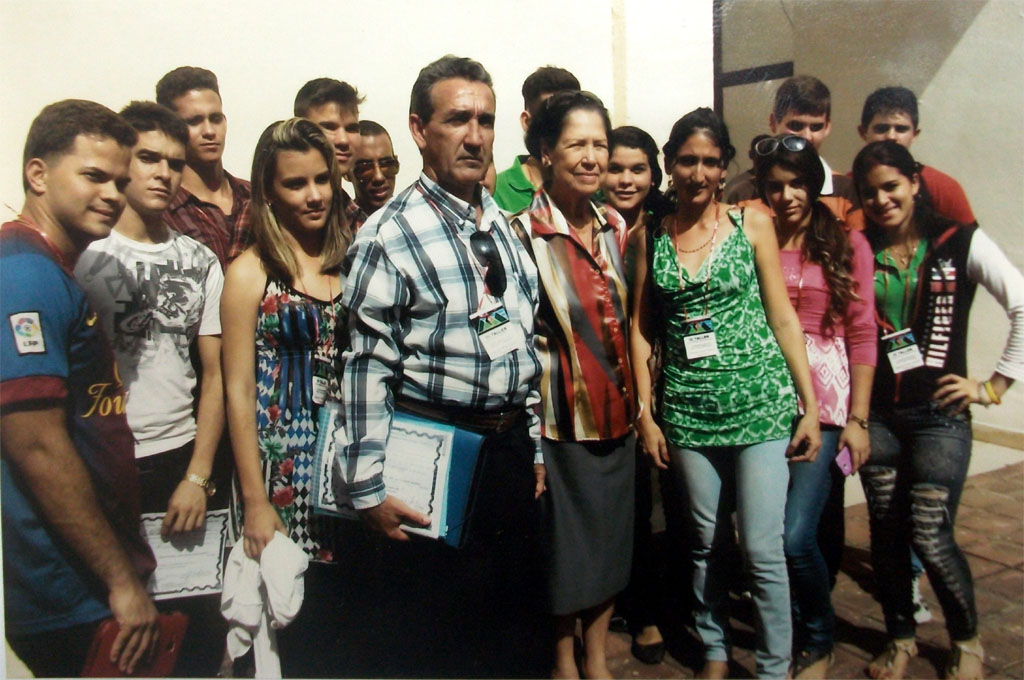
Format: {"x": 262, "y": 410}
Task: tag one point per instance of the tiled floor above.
{"x": 990, "y": 529}
{"x": 991, "y": 532}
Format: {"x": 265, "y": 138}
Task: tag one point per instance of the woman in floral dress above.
{"x": 279, "y": 308}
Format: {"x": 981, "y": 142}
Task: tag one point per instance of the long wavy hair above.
{"x": 825, "y": 241}
{"x": 294, "y": 134}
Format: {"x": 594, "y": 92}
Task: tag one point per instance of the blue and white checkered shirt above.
{"x": 411, "y": 284}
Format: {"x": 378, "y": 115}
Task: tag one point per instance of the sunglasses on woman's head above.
{"x": 768, "y": 146}
{"x": 486, "y": 252}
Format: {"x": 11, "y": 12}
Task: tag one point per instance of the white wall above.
{"x": 113, "y": 51}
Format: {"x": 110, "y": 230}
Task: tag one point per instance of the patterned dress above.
{"x": 744, "y": 395}
{"x": 294, "y": 334}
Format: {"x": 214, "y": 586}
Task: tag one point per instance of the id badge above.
{"x": 699, "y": 338}
{"x": 902, "y": 350}
{"x": 321, "y": 380}
{"x": 496, "y": 331}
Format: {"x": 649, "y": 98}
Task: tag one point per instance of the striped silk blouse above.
{"x": 582, "y": 327}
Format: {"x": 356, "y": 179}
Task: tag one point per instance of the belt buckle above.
{"x": 503, "y": 421}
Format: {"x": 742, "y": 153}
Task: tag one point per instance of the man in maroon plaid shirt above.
{"x": 211, "y": 206}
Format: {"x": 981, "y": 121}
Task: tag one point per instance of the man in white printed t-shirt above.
{"x": 157, "y": 292}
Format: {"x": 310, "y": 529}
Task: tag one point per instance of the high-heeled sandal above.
{"x": 884, "y": 664}
{"x": 971, "y": 648}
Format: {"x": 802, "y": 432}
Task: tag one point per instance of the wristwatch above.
{"x": 860, "y": 421}
{"x": 205, "y": 483}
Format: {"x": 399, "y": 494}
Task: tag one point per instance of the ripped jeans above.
{"x": 913, "y": 481}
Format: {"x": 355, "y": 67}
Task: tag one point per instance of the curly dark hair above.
{"x": 826, "y": 242}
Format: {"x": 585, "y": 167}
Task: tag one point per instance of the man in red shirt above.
{"x": 211, "y": 206}
{"x": 891, "y": 113}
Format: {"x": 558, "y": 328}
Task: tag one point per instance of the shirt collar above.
{"x": 453, "y": 208}
{"x": 239, "y": 189}
{"x": 545, "y": 218}
{"x": 826, "y": 187}
{"x": 518, "y": 179}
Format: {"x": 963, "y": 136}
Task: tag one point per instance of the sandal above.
{"x": 884, "y": 665}
{"x": 807, "y": 659}
{"x": 970, "y": 648}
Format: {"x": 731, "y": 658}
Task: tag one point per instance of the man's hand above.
{"x": 186, "y": 510}
{"x": 389, "y": 515}
{"x": 137, "y": 617}
{"x": 540, "y": 474}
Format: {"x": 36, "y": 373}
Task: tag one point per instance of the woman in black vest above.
{"x": 926, "y": 272}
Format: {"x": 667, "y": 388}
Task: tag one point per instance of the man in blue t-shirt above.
{"x": 72, "y": 551}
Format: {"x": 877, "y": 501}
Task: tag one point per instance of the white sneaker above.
{"x": 921, "y": 612}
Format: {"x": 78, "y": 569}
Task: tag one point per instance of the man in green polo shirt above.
{"x": 515, "y": 187}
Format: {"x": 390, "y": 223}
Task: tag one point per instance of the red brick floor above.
{"x": 990, "y": 529}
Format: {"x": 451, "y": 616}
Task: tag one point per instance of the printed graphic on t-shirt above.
{"x": 942, "y": 282}
{"x": 152, "y": 305}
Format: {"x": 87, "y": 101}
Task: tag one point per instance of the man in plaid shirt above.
{"x": 211, "y": 206}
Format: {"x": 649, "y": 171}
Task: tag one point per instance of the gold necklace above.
{"x": 906, "y": 256}
{"x": 701, "y": 246}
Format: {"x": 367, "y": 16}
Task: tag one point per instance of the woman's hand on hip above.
{"x": 957, "y": 392}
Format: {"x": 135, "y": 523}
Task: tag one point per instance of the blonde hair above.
{"x": 294, "y": 134}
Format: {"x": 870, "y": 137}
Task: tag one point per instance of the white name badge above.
{"x": 498, "y": 335}
{"x": 699, "y": 338}
{"x": 902, "y": 350}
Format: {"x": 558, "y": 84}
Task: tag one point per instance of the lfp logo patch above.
{"x": 28, "y": 333}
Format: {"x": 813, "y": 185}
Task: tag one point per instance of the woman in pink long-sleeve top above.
{"x": 828, "y": 275}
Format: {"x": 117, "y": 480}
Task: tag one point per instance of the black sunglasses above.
{"x": 768, "y": 146}
{"x": 486, "y": 252}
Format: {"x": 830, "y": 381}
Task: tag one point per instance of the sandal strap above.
{"x": 906, "y": 645}
{"x": 972, "y": 647}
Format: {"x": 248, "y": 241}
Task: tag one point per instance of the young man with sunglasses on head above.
{"x": 334, "y": 106}
{"x": 211, "y": 206}
{"x": 891, "y": 113}
{"x": 441, "y": 298}
{"x": 803, "y": 108}
{"x": 374, "y": 169}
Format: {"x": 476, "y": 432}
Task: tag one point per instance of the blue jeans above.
{"x": 814, "y": 621}
{"x": 753, "y": 480}
{"x": 913, "y": 482}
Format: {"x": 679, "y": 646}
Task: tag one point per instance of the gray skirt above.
{"x": 588, "y": 521}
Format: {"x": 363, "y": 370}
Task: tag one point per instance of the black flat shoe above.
{"x": 651, "y": 654}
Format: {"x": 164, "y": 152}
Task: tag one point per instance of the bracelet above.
{"x": 992, "y": 393}
{"x": 640, "y": 411}
{"x": 983, "y": 397}
{"x": 860, "y": 421}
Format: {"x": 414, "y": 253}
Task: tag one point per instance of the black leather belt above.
{"x": 476, "y": 420}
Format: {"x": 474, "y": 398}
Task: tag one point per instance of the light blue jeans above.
{"x": 753, "y": 481}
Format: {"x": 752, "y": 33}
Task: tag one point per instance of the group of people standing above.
{"x": 586, "y": 324}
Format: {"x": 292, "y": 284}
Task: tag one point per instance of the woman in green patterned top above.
{"x": 712, "y": 291}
